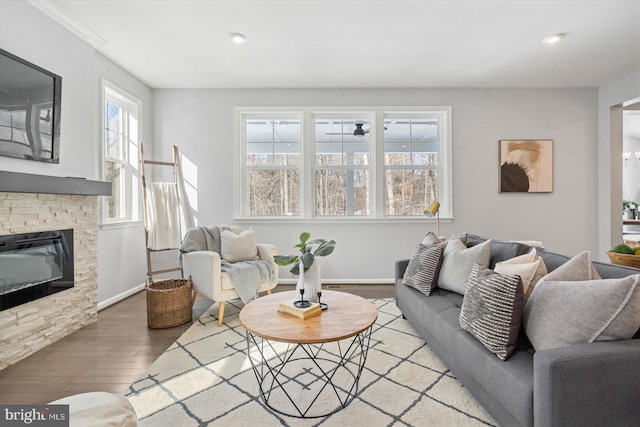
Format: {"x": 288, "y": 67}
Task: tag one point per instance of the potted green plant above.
{"x": 309, "y": 277}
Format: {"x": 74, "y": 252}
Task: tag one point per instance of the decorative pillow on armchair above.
{"x": 424, "y": 266}
{"x": 458, "y": 261}
{"x": 492, "y": 310}
{"x": 238, "y": 247}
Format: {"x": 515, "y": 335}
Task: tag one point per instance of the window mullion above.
{"x": 308, "y": 174}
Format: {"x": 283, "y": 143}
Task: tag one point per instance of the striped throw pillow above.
{"x": 492, "y": 310}
{"x": 424, "y": 267}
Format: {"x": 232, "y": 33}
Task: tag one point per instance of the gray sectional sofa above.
{"x": 595, "y": 384}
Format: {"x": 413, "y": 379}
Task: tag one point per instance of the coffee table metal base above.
{"x": 308, "y": 380}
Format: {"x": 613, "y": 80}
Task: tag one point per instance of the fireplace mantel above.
{"x": 16, "y": 182}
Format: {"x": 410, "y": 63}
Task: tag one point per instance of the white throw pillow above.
{"x": 530, "y": 267}
{"x": 458, "y": 262}
{"x": 238, "y": 247}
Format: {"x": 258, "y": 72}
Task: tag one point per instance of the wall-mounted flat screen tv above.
{"x": 30, "y": 105}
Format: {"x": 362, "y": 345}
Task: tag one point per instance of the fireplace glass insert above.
{"x": 34, "y": 265}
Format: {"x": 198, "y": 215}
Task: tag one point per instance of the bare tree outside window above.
{"x": 273, "y": 167}
{"x": 411, "y": 165}
{"x": 343, "y": 157}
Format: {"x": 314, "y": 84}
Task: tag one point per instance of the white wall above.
{"x": 31, "y": 35}
{"x": 200, "y": 122}
{"x": 609, "y": 164}
{"x": 28, "y": 33}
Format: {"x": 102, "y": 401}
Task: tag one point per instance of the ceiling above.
{"x": 361, "y": 44}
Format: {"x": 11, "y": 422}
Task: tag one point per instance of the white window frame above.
{"x": 376, "y": 116}
{"x": 241, "y": 208}
{"x": 132, "y": 194}
{"x": 364, "y": 115}
{"x": 444, "y": 167}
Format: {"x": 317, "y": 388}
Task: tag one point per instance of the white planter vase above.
{"x": 311, "y": 281}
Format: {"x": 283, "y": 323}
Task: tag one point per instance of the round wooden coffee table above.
{"x": 308, "y": 368}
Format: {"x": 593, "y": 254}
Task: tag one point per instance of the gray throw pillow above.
{"x": 577, "y": 268}
{"x": 431, "y": 239}
{"x": 423, "y": 268}
{"x": 566, "y": 308}
{"x": 492, "y": 310}
{"x": 458, "y": 262}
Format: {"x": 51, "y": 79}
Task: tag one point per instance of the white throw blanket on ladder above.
{"x": 163, "y": 221}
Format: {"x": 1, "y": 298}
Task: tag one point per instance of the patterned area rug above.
{"x": 205, "y": 378}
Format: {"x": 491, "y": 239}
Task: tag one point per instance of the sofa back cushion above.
{"x": 607, "y": 271}
{"x": 500, "y": 251}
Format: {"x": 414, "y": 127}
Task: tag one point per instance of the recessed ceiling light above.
{"x": 553, "y": 38}
{"x": 238, "y": 38}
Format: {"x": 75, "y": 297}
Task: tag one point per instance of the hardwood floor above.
{"x": 111, "y": 353}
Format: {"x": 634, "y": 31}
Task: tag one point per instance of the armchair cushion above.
{"x": 239, "y": 247}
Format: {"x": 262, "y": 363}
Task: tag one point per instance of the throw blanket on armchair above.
{"x": 246, "y": 276}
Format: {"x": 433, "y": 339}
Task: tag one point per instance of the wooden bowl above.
{"x": 624, "y": 259}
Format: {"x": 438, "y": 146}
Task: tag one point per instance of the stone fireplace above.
{"x": 34, "y": 325}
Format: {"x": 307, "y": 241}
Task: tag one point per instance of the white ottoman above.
{"x": 99, "y": 409}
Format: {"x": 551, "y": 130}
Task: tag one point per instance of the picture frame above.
{"x": 525, "y": 166}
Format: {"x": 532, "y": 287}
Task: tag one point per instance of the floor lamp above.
{"x": 434, "y": 210}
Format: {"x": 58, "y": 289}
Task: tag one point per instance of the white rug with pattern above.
{"x": 205, "y": 379}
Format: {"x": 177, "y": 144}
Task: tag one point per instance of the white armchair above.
{"x": 209, "y": 280}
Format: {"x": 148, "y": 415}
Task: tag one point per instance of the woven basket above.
{"x": 169, "y": 303}
{"x": 624, "y": 259}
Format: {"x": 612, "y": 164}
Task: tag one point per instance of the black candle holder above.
{"x": 323, "y": 306}
{"x": 302, "y": 303}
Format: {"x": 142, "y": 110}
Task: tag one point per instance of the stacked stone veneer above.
{"x": 30, "y": 327}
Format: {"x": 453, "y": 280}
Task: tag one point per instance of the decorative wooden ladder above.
{"x": 174, "y": 165}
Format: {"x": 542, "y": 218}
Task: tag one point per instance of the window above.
{"x": 373, "y": 163}
{"x": 411, "y": 164}
{"x": 342, "y": 162}
{"x": 120, "y": 154}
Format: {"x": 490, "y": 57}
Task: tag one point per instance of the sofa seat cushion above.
{"x": 479, "y": 369}
{"x": 509, "y": 382}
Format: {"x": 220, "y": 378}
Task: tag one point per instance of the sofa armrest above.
{"x": 593, "y": 384}
{"x": 204, "y": 267}
{"x": 401, "y": 267}
{"x": 266, "y": 252}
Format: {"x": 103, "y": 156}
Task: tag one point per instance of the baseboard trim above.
{"x": 115, "y": 299}
{"x": 343, "y": 281}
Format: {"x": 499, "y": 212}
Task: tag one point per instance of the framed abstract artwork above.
{"x": 526, "y": 166}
